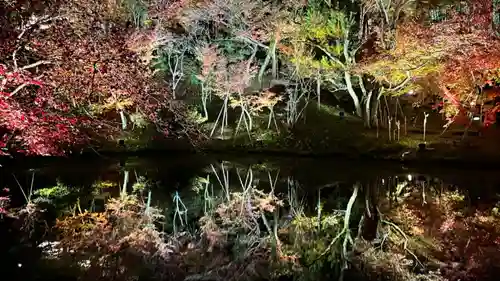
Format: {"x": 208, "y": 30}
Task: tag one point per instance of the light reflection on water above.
{"x": 416, "y": 201}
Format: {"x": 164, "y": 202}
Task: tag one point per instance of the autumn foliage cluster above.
{"x": 68, "y": 73}
{"x": 451, "y": 61}
{"x": 76, "y": 73}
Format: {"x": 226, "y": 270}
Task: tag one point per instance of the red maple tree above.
{"x": 68, "y": 75}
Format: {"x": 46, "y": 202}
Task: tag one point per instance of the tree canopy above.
{"x": 83, "y": 71}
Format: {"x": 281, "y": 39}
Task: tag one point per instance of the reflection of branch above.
{"x": 346, "y": 232}
{"x": 405, "y": 237}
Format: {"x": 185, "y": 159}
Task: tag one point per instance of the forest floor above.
{"x": 324, "y": 133}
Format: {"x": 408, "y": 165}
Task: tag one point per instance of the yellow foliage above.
{"x": 323, "y": 27}
{"x": 117, "y": 101}
{"x": 104, "y": 184}
{"x": 72, "y": 226}
{"x": 265, "y": 99}
{"x": 411, "y": 56}
{"x": 318, "y": 30}
{"x": 118, "y": 104}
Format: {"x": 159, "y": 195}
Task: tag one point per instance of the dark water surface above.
{"x": 328, "y": 181}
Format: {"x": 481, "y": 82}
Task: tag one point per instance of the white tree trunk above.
{"x": 368, "y": 118}
{"x": 123, "y": 119}
{"x": 352, "y": 93}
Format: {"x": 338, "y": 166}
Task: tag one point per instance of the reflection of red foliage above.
{"x": 466, "y": 239}
{"x": 4, "y": 204}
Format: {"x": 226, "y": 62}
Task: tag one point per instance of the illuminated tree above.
{"x": 322, "y": 50}
{"x": 452, "y": 54}
{"x": 73, "y": 75}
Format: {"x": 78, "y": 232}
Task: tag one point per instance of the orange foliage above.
{"x": 470, "y": 52}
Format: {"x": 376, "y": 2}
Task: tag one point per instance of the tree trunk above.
{"x": 371, "y": 216}
{"x": 352, "y": 93}
{"x": 368, "y": 118}
{"x": 123, "y": 119}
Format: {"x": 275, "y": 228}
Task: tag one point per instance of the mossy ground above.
{"x": 322, "y": 131}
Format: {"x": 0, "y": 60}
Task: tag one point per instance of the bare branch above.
{"x": 19, "y": 88}
{"x": 336, "y": 60}
{"x": 33, "y": 21}
{"x": 251, "y": 41}
{"x": 35, "y": 64}
{"x": 22, "y": 86}
{"x": 402, "y": 84}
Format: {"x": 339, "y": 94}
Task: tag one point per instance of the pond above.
{"x": 227, "y": 217}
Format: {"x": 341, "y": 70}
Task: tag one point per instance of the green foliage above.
{"x": 442, "y": 10}
{"x": 140, "y": 185}
{"x": 104, "y": 184}
{"x": 437, "y": 15}
{"x": 195, "y": 116}
{"x": 310, "y": 244}
{"x": 268, "y": 137}
{"x": 59, "y": 196}
{"x": 455, "y": 196}
{"x": 496, "y": 210}
{"x": 234, "y": 51}
{"x": 198, "y": 184}
{"x": 319, "y": 44}
{"x": 308, "y": 66}
{"x": 52, "y": 193}
{"x": 496, "y": 17}
{"x": 392, "y": 69}
{"x": 326, "y": 31}
{"x": 167, "y": 55}
{"x": 138, "y": 120}
{"x": 324, "y": 26}
{"x": 177, "y": 63}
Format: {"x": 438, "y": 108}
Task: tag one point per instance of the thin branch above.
{"x": 35, "y": 64}
{"x": 34, "y": 20}
{"x": 402, "y": 84}
{"x": 251, "y": 41}
{"x": 405, "y": 237}
{"x": 336, "y": 60}
{"x": 20, "y": 87}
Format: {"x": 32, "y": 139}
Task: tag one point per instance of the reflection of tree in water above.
{"x": 464, "y": 237}
{"x": 248, "y": 218}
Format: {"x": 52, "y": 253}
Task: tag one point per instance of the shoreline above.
{"x": 413, "y": 158}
